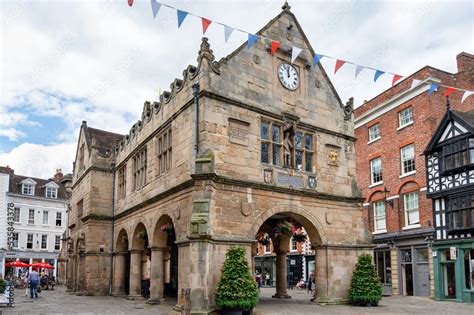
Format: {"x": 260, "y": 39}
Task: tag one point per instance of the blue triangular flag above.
{"x": 181, "y": 16}
{"x": 227, "y": 30}
{"x": 155, "y": 7}
{"x": 378, "y": 73}
{"x": 252, "y": 40}
{"x": 433, "y": 87}
{"x": 316, "y": 59}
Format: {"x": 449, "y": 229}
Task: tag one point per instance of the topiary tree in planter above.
{"x": 237, "y": 292}
{"x": 365, "y": 287}
{"x": 3, "y": 286}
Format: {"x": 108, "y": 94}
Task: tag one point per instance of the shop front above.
{"x": 454, "y": 270}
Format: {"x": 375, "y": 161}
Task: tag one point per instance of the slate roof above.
{"x": 15, "y": 186}
{"x": 104, "y": 139}
{"x": 468, "y": 116}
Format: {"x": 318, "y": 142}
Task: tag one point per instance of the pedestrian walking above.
{"x": 267, "y": 279}
{"x": 258, "y": 278}
{"x": 33, "y": 281}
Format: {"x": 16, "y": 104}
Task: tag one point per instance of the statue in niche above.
{"x": 288, "y": 145}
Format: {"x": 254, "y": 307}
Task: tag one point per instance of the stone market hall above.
{"x": 235, "y": 148}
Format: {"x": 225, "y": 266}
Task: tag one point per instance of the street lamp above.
{"x": 385, "y": 193}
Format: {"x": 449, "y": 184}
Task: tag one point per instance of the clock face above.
{"x": 288, "y": 76}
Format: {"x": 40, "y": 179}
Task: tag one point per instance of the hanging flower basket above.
{"x": 143, "y": 235}
{"x": 167, "y": 228}
{"x": 264, "y": 240}
{"x": 283, "y": 228}
{"x": 300, "y": 237}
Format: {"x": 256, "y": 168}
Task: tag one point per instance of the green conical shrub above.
{"x": 236, "y": 289}
{"x": 365, "y": 284}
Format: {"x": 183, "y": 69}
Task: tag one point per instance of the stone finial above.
{"x": 205, "y": 51}
{"x": 348, "y": 108}
{"x": 286, "y": 6}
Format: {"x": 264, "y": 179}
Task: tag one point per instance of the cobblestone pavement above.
{"x": 59, "y": 302}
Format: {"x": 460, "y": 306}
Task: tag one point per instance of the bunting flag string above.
{"x": 296, "y": 51}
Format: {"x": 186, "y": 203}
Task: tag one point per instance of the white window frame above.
{"x": 293, "y": 245}
{"x": 31, "y": 220}
{"x": 409, "y": 209}
{"x": 15, "y": 239}
{"x": 57, "y": 242}
{"x": 59, "y": 216}
{"x": 372, "y": 171}
{"x": 403, "y": 119}
{"x": 32, "y": 240}
{"x": 403, "y": 158}
{"x": 51, "y": 192}
{"x": 28, "y": 189}
{"x": 17, "y": 215}
{"x": 44, "y": 241}
{"x": 372, "y": 132}
{"x": 45, "y": 216}
{"x": 378, "y": 217}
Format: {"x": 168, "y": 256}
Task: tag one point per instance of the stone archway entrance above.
{"x": 140, "y": 256}
{"x": 284, "y": 243}
{"x": 121, "y": 265}
{"x": 164, "y": 261}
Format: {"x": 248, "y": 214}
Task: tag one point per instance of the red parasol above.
{"x": 17, "y": 263}
{"x": 42, "y": 265}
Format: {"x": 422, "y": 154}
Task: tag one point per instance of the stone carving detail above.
{"x": 238, "y": 131}
{"x": 348, "y": 109}
{"x": 256, "y": 59}
{"x": 268, "y": 176}
{"x": 333, "y": 155}
{"x": 329, "y": 218}
{"x": 81, "y": 244}
{"x": 206, "y": 53}
{"x": 245, "y": 208}
{"x": 200, "y": 217}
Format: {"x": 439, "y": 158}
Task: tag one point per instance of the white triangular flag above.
{"x": 414, "y": 83}
{"x": 228, "y": 31}
{"x": 466, "y": 95}
{"x": 359, "y": 68}
{"x": 294, "y": 53}
{"x": 155, "y": 7}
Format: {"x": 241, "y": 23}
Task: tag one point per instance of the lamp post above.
{"x": 386, "y": 193}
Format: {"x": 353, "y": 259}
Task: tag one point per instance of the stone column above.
{"x": 70, "y": 274}
{"x": 119, "y": 274}
{"x": 135, "y": 274}
{"x": 157, "y": 286}
{"x": 281, "y": 292}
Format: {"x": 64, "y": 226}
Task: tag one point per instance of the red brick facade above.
{"x": 427, "y": 113}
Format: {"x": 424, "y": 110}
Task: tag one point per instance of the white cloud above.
{"x": 39, "y": 160}
{"x": 11, "y": 133}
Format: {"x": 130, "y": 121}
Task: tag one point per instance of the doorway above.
{"x": 407, "y": 272}
{"x": 450, "y": 281}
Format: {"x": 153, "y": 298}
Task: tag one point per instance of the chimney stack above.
{"x": 58, "y": 176}
{"x": 465, "y": 61}
{"x": 6, "y": 170}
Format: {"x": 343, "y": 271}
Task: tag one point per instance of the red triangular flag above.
{"x": 396, "y": 77}
{"x": 339, "y": 64}
{"x": 449, "y": 91}
{"x": 130, "y": 2}
{"x": 275, "y": 46}
{"x": 205, "y": 25}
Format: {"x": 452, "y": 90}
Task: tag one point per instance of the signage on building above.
{"x": 292, "y": 181}
{"x": 435, "y": 253}
{"x": 452, "y": 253}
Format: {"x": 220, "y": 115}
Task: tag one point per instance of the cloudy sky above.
{"x": 63, "y": 61}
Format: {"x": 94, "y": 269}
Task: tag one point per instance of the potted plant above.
{"x": 167, "y": 228}
{"x": 3, "y": 286}
{"x": 237, "y": 292}
{"x": 365, "y": 284}
{"x": 300, "y": 237}
{"x": 264, "y": 240}
{"x": 282, "y": 228}
{"x": 143, "y": 235}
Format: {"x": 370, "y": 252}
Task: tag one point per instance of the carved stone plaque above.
{"x": 238, "y": 131}
{"x": 292, "y": 181}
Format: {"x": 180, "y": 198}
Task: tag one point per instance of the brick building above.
{"x": 392, "y": 131}
{"x": 233, "y": 151}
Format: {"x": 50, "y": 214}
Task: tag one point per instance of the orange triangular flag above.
{"x": 339, "y": 64}
{"x": 396, "y": 77}
{"x": 205, "y": 25}
{"x": 275, "y": 46}
{"x": 449, "y": 91}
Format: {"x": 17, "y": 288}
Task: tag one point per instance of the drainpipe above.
{"x": 113, "y": 223}
{"x": 195, "y": 88}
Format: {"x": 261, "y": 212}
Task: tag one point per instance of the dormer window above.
{"x": 28, "y": 189}
{"x": 51, "y": 192}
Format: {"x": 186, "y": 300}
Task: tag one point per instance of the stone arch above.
{"x": 122, "y": 241}
{"x": 136, "y": 242}
{"x": 158, "y": 220}
{"x": 313, "y": 227}
{"x": 160, "y": 238}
